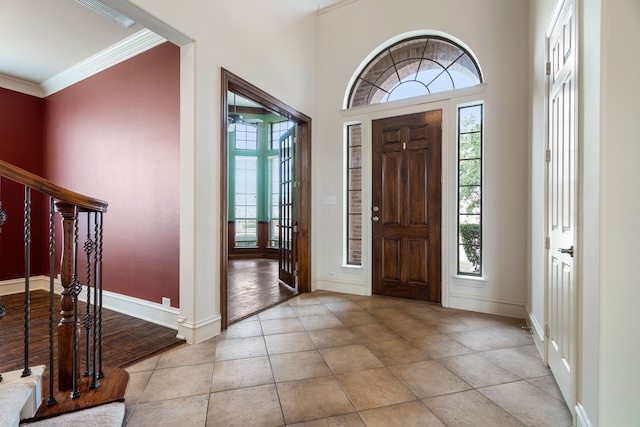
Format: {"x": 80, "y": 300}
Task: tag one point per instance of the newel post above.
{"x": 67, "y": 345}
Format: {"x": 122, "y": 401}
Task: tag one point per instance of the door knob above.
{"x": 375, "y": 219}
{"x": 375, "y": 209}
{"x": 567, "y": 251}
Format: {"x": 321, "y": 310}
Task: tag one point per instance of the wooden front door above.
{"x": 287, "y": 243}
{"x": 407, "y": 205}
{"x": 561, "y": 316}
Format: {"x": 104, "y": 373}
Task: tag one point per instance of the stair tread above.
{"x": 12, "y": 400}
{"x": 112, "y": 389}
{"x": 109, "y": 415}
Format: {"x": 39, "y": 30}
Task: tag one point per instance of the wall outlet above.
{"x": 166, "y": 301}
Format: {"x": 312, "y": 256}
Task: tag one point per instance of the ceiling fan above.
{"x": 237, "y": 119}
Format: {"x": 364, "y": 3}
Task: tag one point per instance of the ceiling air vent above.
{"x": 105, "y": 10}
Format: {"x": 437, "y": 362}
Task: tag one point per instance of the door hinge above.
{"x": 296, "y": 139}
{"x": 295, "y": 228}
{"x": 295, "y": 184}
{"x": 546, "y": 330}
{"x": 295, "y": 273}
{"x": 548, "y": 68}
{"x": 547, "y": 156}
{"x": 547, "y": 243}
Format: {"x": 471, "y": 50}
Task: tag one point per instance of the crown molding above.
{"x": 128, "y": 48}
{"x": 330, "y": 8}
{"x": 22, "y": 86}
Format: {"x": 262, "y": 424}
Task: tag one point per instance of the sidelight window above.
{"x": 470, "y": 120}
{"x": 354, "y": 194}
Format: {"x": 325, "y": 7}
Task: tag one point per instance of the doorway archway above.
{"x": 301, "y": 230}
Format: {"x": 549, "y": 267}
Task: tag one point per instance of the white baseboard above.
{"x": 582, "y": 419}
{"x": 342, "y": 286}
{"x": 141, "y": 309}
{"x": 131, "y": 306}
{"x": 195, "y": 333}
{"x": 482, "y": 304}
{"x": 16, "y": 286}
{"x": 537, "y": 332}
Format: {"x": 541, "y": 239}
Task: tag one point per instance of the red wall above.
{"x": 115, "y": 137}
{"x": 20, "y": 145}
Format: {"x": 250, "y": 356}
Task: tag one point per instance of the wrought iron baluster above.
{"x": 88, "y": 318}
{"x": 75, "y": 289}
{"x": 94, "y": 380}
{"x": 52, "y": 400}
{"x": 99, "y": 290}
{"x": 27, "y": 273}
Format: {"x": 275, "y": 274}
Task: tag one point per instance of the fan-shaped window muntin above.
{"x": 414, "y": 67}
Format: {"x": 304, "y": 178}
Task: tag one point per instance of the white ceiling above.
{"x": 42, "y": 38}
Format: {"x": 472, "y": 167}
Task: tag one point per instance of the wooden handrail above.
{"x": 71, "y": 207}
{"x": 35, "y": 182}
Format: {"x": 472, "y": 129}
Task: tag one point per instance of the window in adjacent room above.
{"x": 246, "y": 185}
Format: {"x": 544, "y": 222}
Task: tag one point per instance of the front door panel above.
{"x": 407, "y": 206}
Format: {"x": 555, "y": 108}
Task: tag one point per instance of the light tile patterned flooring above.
{"x": 327, "y": 359}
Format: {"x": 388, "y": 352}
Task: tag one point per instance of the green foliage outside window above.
{"x": 470, "y": 235}
{"x": 470, "y": 189}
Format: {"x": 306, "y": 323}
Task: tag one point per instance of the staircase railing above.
{"x": 72, "y": 208}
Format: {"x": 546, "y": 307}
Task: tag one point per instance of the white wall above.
{"x": 232, "y": 35}
{"x": 608, "y": 376}
{"x": 540, "y": 16}
{"x": 619, "y": 346}
{"x": 589, "y": 215}
{"x": 497, "y": 33}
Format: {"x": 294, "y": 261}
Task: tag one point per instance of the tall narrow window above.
{"x": 354, "y": 194}
{"x": 274, "y": 201}
{"x": 470, "y": 121}
{"x": 246, "y": 206}
{"x": 246, "y": 185}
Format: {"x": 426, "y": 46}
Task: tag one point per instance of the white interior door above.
{"x": 561, "y": 313}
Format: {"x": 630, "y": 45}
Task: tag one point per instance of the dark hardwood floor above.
{"x": 252, "y": 286}
{"x": 126, "y": 339}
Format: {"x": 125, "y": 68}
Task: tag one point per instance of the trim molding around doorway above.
{"x": 233, "y": 83}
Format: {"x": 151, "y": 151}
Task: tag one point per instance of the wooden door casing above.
{"x": 407, "y": 191}
{"x": 234, "y": 84}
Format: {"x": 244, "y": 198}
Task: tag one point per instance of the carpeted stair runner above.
{"x": 109, "y": 415}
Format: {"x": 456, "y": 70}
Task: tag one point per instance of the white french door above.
{"x": 562, "y": 317}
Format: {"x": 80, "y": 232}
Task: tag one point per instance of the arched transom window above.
{"x": 414, "y": 67}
